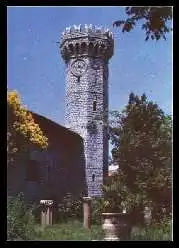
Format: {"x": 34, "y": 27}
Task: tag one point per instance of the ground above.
{"x": 69, "y": 231}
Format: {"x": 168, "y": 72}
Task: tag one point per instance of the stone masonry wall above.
{"x": 79, "y": 115}
{"x": 87, "y": 102}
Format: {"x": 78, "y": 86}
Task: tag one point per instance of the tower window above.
{"x": 93, "y": 177}
{"x": 78, "y": 79}
{"x": 94, "y": 105}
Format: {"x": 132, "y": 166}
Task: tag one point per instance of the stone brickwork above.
{"x": 86, "y": 51}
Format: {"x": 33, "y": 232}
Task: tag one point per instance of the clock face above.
{"x": 78, "y": 67}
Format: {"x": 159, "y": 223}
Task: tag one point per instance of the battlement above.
{"x": 81, "y": 31}
{"x": 86, "y": 40}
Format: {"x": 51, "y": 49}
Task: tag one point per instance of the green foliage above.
{"x": 154, "y": 232}
{"x": 70, "y": 208}
{"x": 98, "y": 207}
{"x": 116, "y": 195}
{"x": 21, "y": 128}
{"x": 155, "y": 21}
{"x": 142, "y": 141}
{"x": 72, "y": 230}
{"x": 20, "y": 221}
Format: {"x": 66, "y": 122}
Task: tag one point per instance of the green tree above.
{"x": 21, "y": 128}
{"x": 142, "y": 141}
{"x": 156, "y": 21}
{"x": 20, "y": 220}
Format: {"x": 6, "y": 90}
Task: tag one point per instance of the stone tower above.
{"x": 86, "y": 51}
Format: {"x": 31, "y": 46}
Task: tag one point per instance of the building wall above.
{"x": 16, "y": 177}
{"x": 53, "y": 173}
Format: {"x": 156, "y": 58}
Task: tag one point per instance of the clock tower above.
{"x": 86, "y": 52}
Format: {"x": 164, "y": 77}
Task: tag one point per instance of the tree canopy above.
{"x": 142, "y": 138}
{"x": 156, "y": 21}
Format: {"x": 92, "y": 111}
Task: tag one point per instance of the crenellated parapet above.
{"x": 87, "y": 40}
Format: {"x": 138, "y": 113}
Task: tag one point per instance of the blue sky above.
{"x": 37, "y": 71}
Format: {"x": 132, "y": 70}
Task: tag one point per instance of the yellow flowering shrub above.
{"x": 20, "y": 122}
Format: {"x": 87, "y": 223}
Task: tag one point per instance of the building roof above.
{"x": 57, "y": 135}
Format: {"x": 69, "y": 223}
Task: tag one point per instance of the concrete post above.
{"x": 87, "y": 212}
{"x": 46, "y": 212}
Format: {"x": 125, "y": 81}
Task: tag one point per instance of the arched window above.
{"x": 93, "y": 177}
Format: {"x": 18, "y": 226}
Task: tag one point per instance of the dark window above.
{"x": 83, "y": 46}
{"x": 33, "y": 171}
{"x": 94, "y": 106}
{"x": 96, "y": 50}
{"x": 78, "y": 79}
{"x": 71, "y": 47}
{"x": 77, "y": 47}
{"x": 93, "y": 177}
{"x": 90, "y": 47}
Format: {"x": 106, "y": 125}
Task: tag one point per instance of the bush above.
{"x": 20, "y": 221}
{"x": 70, "y": 208}
{"x": 97, "y": 210}
{"x": 154, "y": 232}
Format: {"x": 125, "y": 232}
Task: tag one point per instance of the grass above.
{"x": 158, "y": 233}
{"x": 21, "y": 225}
{"x": 74, "y": 230}
{"x": 69, "y": 231}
